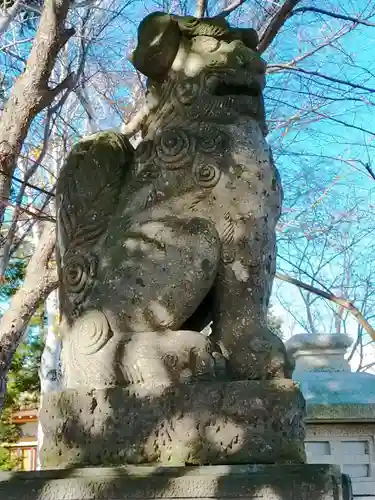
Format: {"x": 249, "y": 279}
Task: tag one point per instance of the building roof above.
{"x": 331, "y": 390}
{"x": 23, "y": 416}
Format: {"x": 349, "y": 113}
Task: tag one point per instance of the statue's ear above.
{"x": 248, "y": 35}
{"x": 158, "y": 42}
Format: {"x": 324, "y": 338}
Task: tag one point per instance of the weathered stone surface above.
{"x": 154, "y": 243}
{"x": 304, "y": 482}
{"x": 151, "y": 361}
{"x": 205, "y": 423}
{"x": 155, "y": 240}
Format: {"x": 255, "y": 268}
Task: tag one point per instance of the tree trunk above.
{"x": 49, "y": 363}
{"x": 30, "y": 93}
{"x": 200, "y": 9}
{"x": 40, "y": 281}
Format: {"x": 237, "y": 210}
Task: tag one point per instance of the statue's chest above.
{"x": 205, "y": 168}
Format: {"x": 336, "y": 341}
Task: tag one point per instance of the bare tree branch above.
{"x": 30, "y": 93}
{"x": 83, "y": 97}
{"x": 357, "y": 86}
{"x": 201, "y": 8}
{"x": 346, "y": 124}
{"x": 50, "y": 94}
{"x": 288, "y": 10}
{"x": 31, "y": 8}
{"x": 369, "y": 170}
{"x": 333, "y": 14}
{"x": 276, "y": 23}
{"x": 32, "y": 212}
{"x": 272, "y": 68}
{"x": 30, "y": 171}
{"x": 27, "y": 184}
{"x": 333, "y": 298}
{"x": 9, "y": 15}
{"x": 231, "y": 7}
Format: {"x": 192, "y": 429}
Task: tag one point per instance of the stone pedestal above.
{"x": 189, "y": 424}
{"x": 269, "y": 482}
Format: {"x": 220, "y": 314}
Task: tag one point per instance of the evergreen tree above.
{"x": 12, "y": 279}
{"x": 23, "y": 386}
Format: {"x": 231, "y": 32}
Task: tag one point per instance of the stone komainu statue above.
{"x": 155, "y": 242}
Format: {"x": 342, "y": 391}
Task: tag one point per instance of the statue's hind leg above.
{"x": 159, "y": 274}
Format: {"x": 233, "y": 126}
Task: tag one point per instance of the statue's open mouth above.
{"x": 226, "y": 89}
{"x": 234, "y": 84}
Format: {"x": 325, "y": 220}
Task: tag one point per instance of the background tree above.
{"x": 23, "y": 392}
{"x": 67, "y": 95}
{"x": 23, "y": 389}
{"x": 275, "y": 323}
{"x": 330, "y": 247}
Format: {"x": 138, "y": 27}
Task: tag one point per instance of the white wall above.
{"x": 352, "y": 446}
{"x": 29, "y": 429}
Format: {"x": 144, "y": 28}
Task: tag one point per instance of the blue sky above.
{"x": 310, "y": 151}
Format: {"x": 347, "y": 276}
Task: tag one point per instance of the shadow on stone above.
{"x": 81, "y": 444}
{"x": 240, "y": 422}
{"x": 268, "y": 482}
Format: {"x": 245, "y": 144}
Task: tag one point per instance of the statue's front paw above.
{"x": 156, "y": 360}
{"x": 186, "y": 355}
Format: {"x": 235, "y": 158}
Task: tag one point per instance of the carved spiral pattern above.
{"x": 91, "y": 333}
{"x": 82, "y": 363}
{"x": 186, "y": 92}
{"x": 207, "y": 176}
{"x": 213, "y": 140}
{"x": 77, "y": 271}
{"x": 174, "y": 148}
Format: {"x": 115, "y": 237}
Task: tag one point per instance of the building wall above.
{"x": 25, "y": 450}
{"x": 26, "y": 455}
{"x": 29, "y": 429}
{"x": 352, "y": 446}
